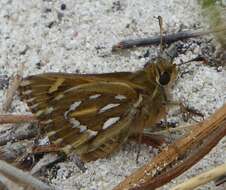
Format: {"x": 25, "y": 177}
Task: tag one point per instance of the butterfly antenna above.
{"x": 139, "y": 139}
{"x": 161, "y": 32}
{"x": 140, "y": 135}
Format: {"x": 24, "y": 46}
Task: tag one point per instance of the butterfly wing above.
{"x": 89, "y": 114}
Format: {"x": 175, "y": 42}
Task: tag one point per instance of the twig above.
{"x": 11, "y": 92}
{"x": 202, "y": 178}
{"x": 9, "y": 170}
{"x": 44, "y": 162}
{"x": 13, "y": 88}
{"x": 220, "y": 180}
{"x": 8, "y": 184}
{"x": 181, "y": 165}
{"x": 172, "y": 130}
{"x": 167, "y": 39}
{"x": 180, "y": 155}
{"x": 6, "y": 119}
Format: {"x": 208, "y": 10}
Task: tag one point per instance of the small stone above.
{"x": 63, "y": 6}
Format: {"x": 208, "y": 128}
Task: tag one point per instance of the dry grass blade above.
{"x": 6, "y": 183}
{"x": 6, "y": 119}
{"x": 203, "y": 178}
{"x": 22, "y": 177}
{"x": 179, "y": 156}
{"x": 14, "y": 85}
{"x": 167, "y": 39}
{"x": 11, "y": 92}
{"x": 220, "y": 180}
{"x": 47, "y": 160}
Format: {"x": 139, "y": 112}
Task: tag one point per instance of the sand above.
{"x": 47, "y": 36}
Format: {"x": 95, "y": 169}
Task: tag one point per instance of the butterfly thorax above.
{"x": 156, "y": 77}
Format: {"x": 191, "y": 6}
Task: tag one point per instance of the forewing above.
{"x": 85, "y": 113}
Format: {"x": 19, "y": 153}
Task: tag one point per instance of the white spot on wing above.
{"x": 75, "y": 105}
{"x": 51, "y": 133}
{"x": 82, "y": 128}
{"x": 47, "y": 121}
{"x": 76, "y": 124}
{"x": 25, "y": 83}
{"x": 34, "y": 106}
{"x": 58, "y": 141}
{"x": 120, "y": 97}
{"x": 40, "y": 112}
{"x": 110, "y": 122}
{"x": 30, "y": 100}
{"x": 27, "y": 92}
{"x": 46, "y": 111}
{"x": 95, "y": 96}
{"x": 49, "y": 110}
{"x": 107, "y": 107}
{"x": 58, "y": 97}
{"x": 72, "y": 108}
{"x": 92, "y": 133}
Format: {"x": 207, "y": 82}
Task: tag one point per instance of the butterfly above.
{"x": 92, "y": 115}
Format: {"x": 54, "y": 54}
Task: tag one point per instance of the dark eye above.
{"x": 164, "y": 78}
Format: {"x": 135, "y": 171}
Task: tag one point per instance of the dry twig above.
{"x": 22, "y": 177}
{"x": 47, "y": 160}
{"x": 6, "y": 183}
{"x": 6, "y": 119}
{"x": 203, "y": 178}
{"x": 179, "y": 156}
{"x": 167, "y": 39}
{"x": 220, "y": 180}
{"x": 14, "y": 85}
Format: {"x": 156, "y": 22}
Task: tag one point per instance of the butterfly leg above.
{"x": 186, "y": 111}
{"x": 190, "y": 112}
{"x": 149, "y": 139}
{"x": 139, "y": 138}
{"x": 146, "y": 138}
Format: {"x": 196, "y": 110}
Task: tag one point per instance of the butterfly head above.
{"x": 161, "y": 70}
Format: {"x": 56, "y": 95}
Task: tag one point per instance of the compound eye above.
{"x": 164, "y": 78}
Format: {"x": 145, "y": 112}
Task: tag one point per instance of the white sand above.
{"x": 70, "y": 45}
